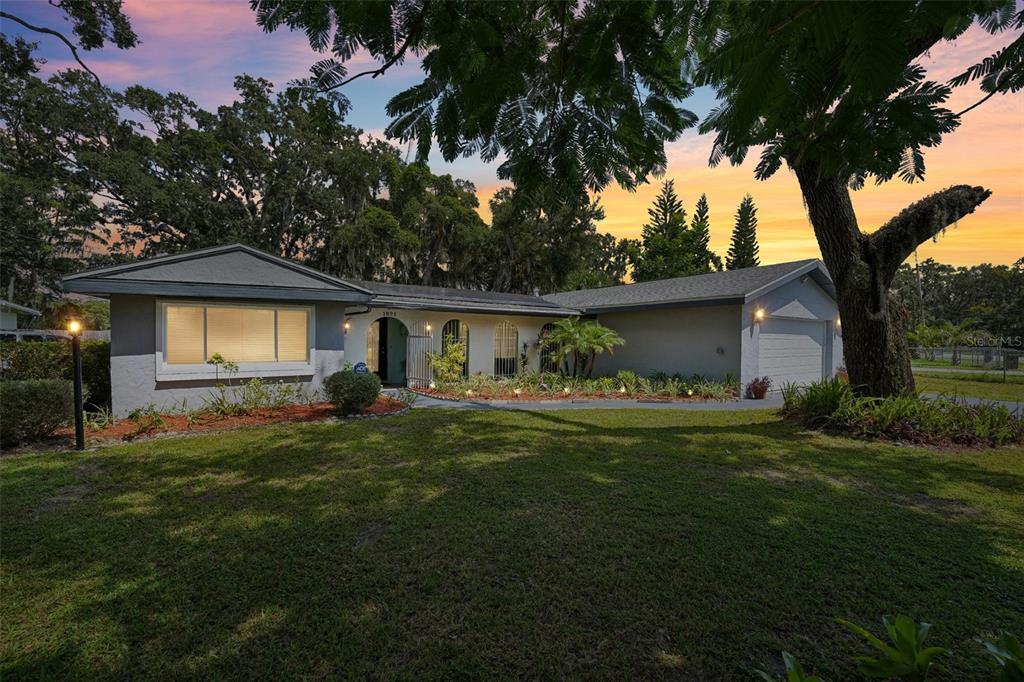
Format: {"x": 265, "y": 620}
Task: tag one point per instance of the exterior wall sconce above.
{"x": 758, "y": 314}
{"x": 347, "y": 326}
{"x": 429, "y": 328}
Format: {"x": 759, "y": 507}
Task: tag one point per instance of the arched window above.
{"x": 548, "y": 354}
{"x": 506, "y": 349}
{"x": 458, "y": 330}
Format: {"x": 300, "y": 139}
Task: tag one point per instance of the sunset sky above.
{"x": 198, "y": 46}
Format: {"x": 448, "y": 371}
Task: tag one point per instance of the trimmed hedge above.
{"x": 34, "y": 408}
{"x": 351, "y": 392}
{"x": 23, "y": 360}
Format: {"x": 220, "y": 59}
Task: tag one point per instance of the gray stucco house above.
{"x": 282, "y": 320}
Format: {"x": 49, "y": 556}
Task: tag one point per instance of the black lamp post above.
{"x": 75, "y": 329}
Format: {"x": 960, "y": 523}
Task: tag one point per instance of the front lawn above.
{"x": 976, "y": 386}
{"x": 440, "y": 544}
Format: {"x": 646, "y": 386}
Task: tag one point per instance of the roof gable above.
{"x": 226, "y": 270}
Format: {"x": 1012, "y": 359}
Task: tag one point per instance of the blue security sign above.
{"x": 361, "y": 368}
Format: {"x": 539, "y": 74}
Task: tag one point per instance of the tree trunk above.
{"x": 862, "y": 266}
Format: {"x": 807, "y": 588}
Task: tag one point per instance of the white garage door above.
{"x": 791, "y": 351}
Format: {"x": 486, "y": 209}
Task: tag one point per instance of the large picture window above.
{"x": 241, "y": 334}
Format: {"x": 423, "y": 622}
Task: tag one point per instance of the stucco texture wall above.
{"x": 134, "y": 345}
{"x": 481, "y": 334}
{"x": 796, "y": 300}
{"x": 697, "y": 340}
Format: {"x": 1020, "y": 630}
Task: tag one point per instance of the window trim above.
{"x": 246, "y": 370}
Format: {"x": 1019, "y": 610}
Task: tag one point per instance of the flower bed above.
{"x": 554, "y": 387}
{"x": 149, "y": 422}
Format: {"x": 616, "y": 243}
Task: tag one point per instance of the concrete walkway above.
{"x": 426, "y": 402}
{"x": 772, "y": 402}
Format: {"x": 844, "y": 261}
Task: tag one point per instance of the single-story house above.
{"x": 280, "y": 319}
{"x": 9, "y": 314}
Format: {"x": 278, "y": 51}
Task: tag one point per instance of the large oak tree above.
{"x": 583, "y": 94}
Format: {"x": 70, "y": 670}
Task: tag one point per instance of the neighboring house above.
{"x": 280, "y": 319}
{"x": 9, "y": 314}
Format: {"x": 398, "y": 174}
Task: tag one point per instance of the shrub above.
{"x": 52, "y": 360}
{"x": 758, "y": 387}
{"x": 351, "y": 392}
{"x": 832, "y": 404}
{"x": 448, "y": 364}
{"x": 34, "y": 408}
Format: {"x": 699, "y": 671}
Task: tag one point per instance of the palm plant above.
{"x": 582, "y": 341}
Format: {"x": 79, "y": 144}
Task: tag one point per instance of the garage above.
{"x": 792, "y": 351}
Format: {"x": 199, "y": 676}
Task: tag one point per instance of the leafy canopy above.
{"x": 572, "y": 95}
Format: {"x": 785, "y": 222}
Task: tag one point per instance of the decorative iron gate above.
{"x": 418, "y": 364}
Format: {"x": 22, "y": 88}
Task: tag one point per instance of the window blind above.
{"x": 240, "y": 334}
{"x": 292, "y": 327}
{"x": 185, "y": 341}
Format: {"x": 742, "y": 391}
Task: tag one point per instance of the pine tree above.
{"x": 664, "y": 242}
{"x": 666, "y": 211}
{"x": 705, "y": 260}
{"x": 743, "y": 249}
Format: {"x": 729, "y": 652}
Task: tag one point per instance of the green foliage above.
{"x": 905, "y": 656}
{"x": 93, "y": 314}
{"x": 278, "y": 169}
{"x": 351, "y": 392}
{"x": 34, "y": 408}
{"x": 448, "y": 364}
{"x": 583, "y": 340}
{"x": 572, "y": 99}
{"x": 743, "y": 247}
{"x": 146, "y": 420}
{"x": 625, "y": 383}
{"x": 794, "y": 671}
{"x": 668, "y": 247}
{"x": 52, "y": 360}
{"x": 833, "y": 404}
{"x": 816, "y": 403}
{"x": 1009, "y": 655}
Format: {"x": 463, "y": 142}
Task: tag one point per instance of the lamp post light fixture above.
{"x": 75, "y": 329}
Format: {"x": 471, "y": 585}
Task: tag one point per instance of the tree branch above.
{"x": 897, "y": 239}
{"x": 979, "y": 102}
{"x": 786, "y": 22}
{"x": 414, "y": 31}
{"x": 50, "y": 31}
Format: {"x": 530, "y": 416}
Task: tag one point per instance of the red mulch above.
{"x": 126, "y": 429}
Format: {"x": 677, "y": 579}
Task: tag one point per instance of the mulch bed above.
{"x": 127, "y": 429}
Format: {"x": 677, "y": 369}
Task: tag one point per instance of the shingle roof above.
{"x": 412, "y": 295}
{"x": 728, "y": 285}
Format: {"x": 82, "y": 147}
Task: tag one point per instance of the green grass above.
{"x": 440, "y": 544}
{"x": 987, "y": 386}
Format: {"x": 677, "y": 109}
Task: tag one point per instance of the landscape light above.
{"x": 75, "y": 329}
